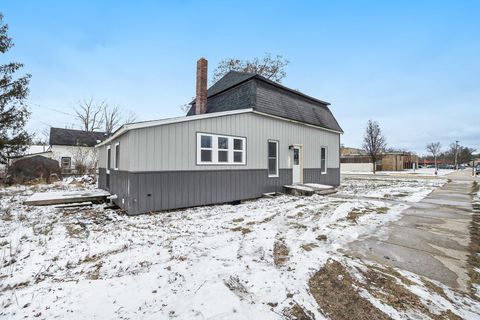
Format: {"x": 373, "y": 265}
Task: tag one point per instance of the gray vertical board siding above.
{"x": 119, "y": 186}
{"x": 172, "y": 147}
{"x": 125, "y": 150}
{"x": 157, "y": 191}
{"x": 102, "y": 178}
{"x": 331, "y": 178}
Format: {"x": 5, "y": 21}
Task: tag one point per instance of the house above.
{"x": 75, "y": 149}
{"x": 243, "y": 137}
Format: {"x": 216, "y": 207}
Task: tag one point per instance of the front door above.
{"x": 297, "y": 165}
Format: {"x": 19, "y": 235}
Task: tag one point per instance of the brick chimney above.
{"x": 201, "y": 100}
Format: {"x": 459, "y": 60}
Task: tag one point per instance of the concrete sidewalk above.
{"x": 431, "y": 239}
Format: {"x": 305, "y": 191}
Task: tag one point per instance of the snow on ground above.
{"x": 249, "y": 261}
{"x": 417, "y": 172}
{"x": 408, "y": 190}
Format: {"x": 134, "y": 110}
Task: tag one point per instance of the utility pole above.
{"x": 456, "y": 154}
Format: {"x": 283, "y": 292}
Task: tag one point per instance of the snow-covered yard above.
{"x": 264, "y": 259}
{"x": 427, "y": 172}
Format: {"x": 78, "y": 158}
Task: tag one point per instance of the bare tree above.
{"x": 272, "y": 68}
{"x": 84, "y": 160}
{"x": 114, "y": 117}
{"x": 434, "y": 149}
{"x": 90, "y": 114}
{"x": 46, "y": 135}
{"x": 42, "y": 137}
{"x": 374, "y": 142}
{"x": 129, "y": 117}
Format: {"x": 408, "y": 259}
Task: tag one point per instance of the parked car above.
{"x": 477, "y": 170}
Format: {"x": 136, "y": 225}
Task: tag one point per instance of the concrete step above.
{"x": 308, "y": 189}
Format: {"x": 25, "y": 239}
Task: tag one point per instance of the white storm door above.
{"x": 297, "y": 165}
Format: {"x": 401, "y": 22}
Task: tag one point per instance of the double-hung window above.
{"x": 272, "y": 158}
{"x": 117, "y": 155}
{"x": 222, "y": 149}
{"x": 109, "y": 159}
{"x": 219, "y": 149}
{"x": 323, "y": 160}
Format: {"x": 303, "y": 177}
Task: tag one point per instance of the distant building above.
{"x": 356, "y": 160}
{"x": 398, "y": 161}
{"x": 347, "y": 151}
{"x": 75, "y": 149}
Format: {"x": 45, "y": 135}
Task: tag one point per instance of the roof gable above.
{"x": 267, "y": 96}
{"x": 70, "y": 137}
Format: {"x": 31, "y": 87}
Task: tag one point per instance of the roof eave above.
{"x": 147, "y": 124}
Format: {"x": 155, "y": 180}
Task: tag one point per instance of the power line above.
{"x": 50, "y": 108}
{"x": 47, "y": 124}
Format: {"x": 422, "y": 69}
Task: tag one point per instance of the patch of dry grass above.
{"x": 474, "y": 246}
{"x": 308, "y": 246}
{"x": 241, "y": 229}
{"x": 321, "y": 237}
{"x": 336, "y": 292}
{"x": 280, "y": 253}
{"x": 296, "y": 312}
{"x": 356, "y": 213}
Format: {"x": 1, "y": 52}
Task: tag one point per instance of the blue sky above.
{"x": 411, "y": 65}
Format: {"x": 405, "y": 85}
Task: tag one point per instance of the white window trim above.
{"x": 116, "y": 162}
{"x": 215, "y": 150}
{"x": 107, "y": 166}
{"x": 324, "y": 170}
{"x": 276, "y": 175}
{"x": 69, "y": 162}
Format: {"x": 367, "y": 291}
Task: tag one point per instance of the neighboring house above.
{"x": 243, "y": 137}
{"x": 75, "y": 149}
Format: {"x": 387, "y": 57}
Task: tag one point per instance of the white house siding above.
{"x": 173, "y": 147}
{"x": 58, "y": 152}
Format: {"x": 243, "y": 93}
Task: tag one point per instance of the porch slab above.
{"x": 65, "y": 197}
{"x": 309, "y": 189}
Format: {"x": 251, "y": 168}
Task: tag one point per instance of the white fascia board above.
{"x": 153, "y": 123}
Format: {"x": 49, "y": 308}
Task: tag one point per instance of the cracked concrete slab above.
{"x": 431, "y": 239}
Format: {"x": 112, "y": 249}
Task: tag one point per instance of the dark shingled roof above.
{"x": 269, "y": 97}
{"x": 70, "y": 137}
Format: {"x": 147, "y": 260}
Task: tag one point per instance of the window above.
{"x": 109, "y": 159}
{"x": 66, "y": 162}
{"x": 218, "y": 149}
{"x": 222, "y": 149}
{"x": 117, "y": 156}
{"x": 272, "y": 158}
{"x": 206, "y": 149}
{"x": 323, "y": 159}
{"x": 238, "y": 150}
{"x": 296, "y": 156}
